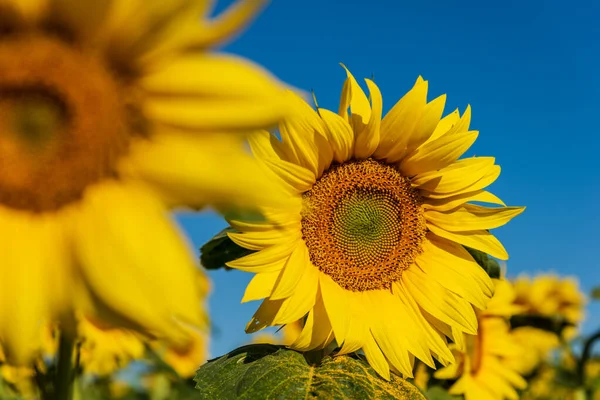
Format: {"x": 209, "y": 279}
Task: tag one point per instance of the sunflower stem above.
{"x": 63, "y": 385}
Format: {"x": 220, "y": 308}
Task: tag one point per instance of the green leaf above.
{"x": 220, "y": 250}
{"x": 489, "y": 264}
{"x": 596, "y": 293}
{"x": 265, "y": 371}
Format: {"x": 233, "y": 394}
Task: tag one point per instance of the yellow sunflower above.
{"x": 539, "y": 345}
{"x": 481, "y": 368}
{"x": 552, "y": 296}
{"x": 370, "y": 246}
{"x": 110, "y": 112}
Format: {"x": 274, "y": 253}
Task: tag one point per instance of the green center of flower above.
{"x": 363, "y": 225}
{"x": 367, "y": 225}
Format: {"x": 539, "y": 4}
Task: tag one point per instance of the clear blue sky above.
{"x": 530, "y": 71}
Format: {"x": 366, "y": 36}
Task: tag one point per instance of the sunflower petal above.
{"x": 472, "y": 217}
{"x": 432, "y": 112}
{"x": 292, "y": 272}
{"x": 453, "y": 202}
{"x": 455, "y": 177}
{"x": 336, "y": 303}
{"x": 360, "y": 108}
{"x": 376, "y": 358}
{"x": 367, "y": 139}
{"x": 317, "y": 331}
{"x": 206, "y": 169}
{"x": 478, "y": 240}
{"x": 260, "y": 286}
{"x": 298, "y": 179}
{"x": 437, "y": 154}
{"x": 147, "y": 278}
{"x": 438, "y": 301}
{"x": 270, "y": 259}
{"x": 340, "y": 135}
{"x": 398, "y": 124}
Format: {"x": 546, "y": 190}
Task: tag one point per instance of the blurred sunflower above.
{"x": 481, "y": 367}
{"x": 111, "y": 112}
{"x": 552, "y": 296}
{"x": 371, "y": 242}
{"x": 104, "y": 351}
{"x": 539, "y": 345}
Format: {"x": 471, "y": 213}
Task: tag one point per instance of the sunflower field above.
{"x": 188, "y": 216}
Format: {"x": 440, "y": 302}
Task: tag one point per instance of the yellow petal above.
{"x": 437, "y": 154}
{"x": 445, "y": 124}
{"x": 488, "y": 178}
{"x": 300, "y": 134}
{"x": 428, "y": 340}
{"x": 303, "y": 298}
{"x": 458, "y": 282}
{"x": 455, "y": 259}
{"x": 216, "y": 77}
{"x": 267, "y": 260}
{"x": 297, "y": 179}
{"x": 358, "y": 325}
{"x": 293, "y": 270}
{"x": 135, "y": 262}
{"x": 206, "y": 114}
{"x": 360, "y": 108}
{"x": 206, "y": 169}
{"x": 317, "y": 331}
{"x": 391, "y": 333}
{"x": 429, "y": 119}
{"x": 438, "y": 301}
{"x": 260, "y": 286}
{"x": 398, "y": 124}
{"x": 451, "y": 124}
{"x": 367, "y": 139}
{"x": 264, "y": 316}
{"x": 455, "y": 177}
{"x": 34, "y": 257}
{"x": 472, "y": 217}
{"x": 453, "y": 202}
{"x": 479, "y": 240}
{"x": 336, "y": 303}
{"x": 345, "y": 101}
{"x": 265, "y": 145}
{"x": 340, "y": 135}
{"x": 376, "y": 358}
{"x": 259, "y": 240}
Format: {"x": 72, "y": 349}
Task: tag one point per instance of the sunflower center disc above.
{"x": 61, "y": 123}
{"x": 363, "y": 225}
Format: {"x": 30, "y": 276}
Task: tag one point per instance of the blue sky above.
{"x": 530, "y": 71}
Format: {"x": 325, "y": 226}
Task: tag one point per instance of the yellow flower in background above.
{"x": 539, "y": 345}
{"x": 482, "y": 369}
{"x": 552, "y": 296}
{"x": 371, "y": 242}
{"x": 104, "y": 351}
{"x": 111, "y": 112}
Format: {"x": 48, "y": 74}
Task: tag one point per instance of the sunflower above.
{"x": 552, "y": 296}
{"x": 370, "y": 244}
{"x": 482, "y": 370}
{"x": 111, "y": 113}
{"x": 540, "y": 345}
